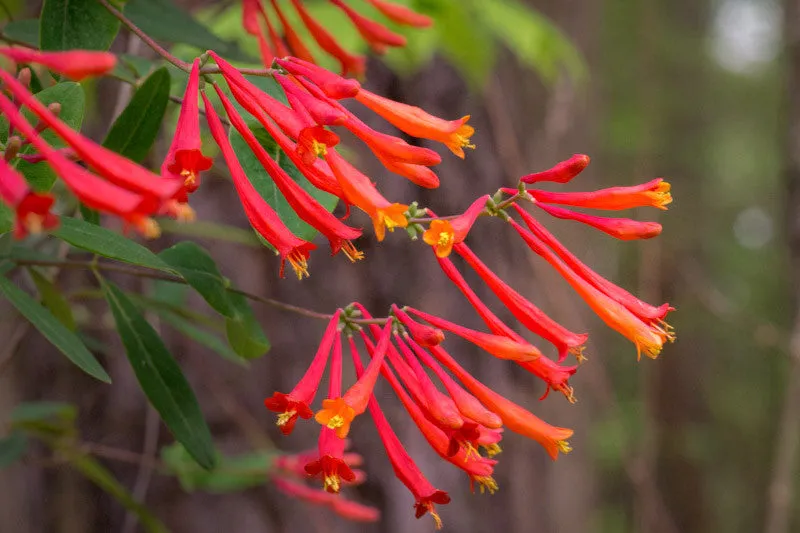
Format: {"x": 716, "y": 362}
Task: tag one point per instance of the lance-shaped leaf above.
{"x": 107, "y": 243}
{"x": 244, "y": 333}
{"x": 136, "y": 129}
{"x": 81, "y": 24}
{"x": 54, "y": 331}
{"x": 53, "y": 299}
{"x": 200, "y": 271}
{"x": 161, "y": 378}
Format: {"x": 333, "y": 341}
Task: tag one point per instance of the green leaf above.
{"x": 244, "y": 333}
{"x": 97, "y": 474}
{"x": 136, "y": 129}
{"x": 266, "y": 187}
{"x": 200, "y": 271}
{"x": 44, "y": 417}
{"x": 26, "y": 31}
{"x": 162, "y": 19}
{"x": 161, "y": 378}
{"x": 232, "y": 474}
{"x": 82, "y": 24}
{"x": 6, "y": 218}
{"x": 43, "y": 320}
{"x": 90, "y": 215}
{"x": 53, "y": 299}
{"x": 199, "y": 335}
{"x": 12, "y": 448}
{"x": 211, "y": 230}
{"x": 72, "y": 99}
{"x": 107, "y": 243}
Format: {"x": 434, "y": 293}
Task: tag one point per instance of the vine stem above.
{"x": 160, "y": 50}
{"x": 144, "y": 272}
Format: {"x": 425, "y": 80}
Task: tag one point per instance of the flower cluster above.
{"x": 461, "y": 418}
{"x": 262, "y": 23}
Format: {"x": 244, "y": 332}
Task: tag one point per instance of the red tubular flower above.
{"x": 184, "y": 160}
{"x": 401, "y": 14}
{"x": 277, "y": 42}
{"x": 454, "y": 134}
{"x": 314, "y": 142}
{"x": 562, "y": 172}
{"x": 422, "y": 334}
{"x": 74, "y": 64}
{"x": 479, "y": 469}
{"x": 647, "y": 337}
{"x": 623, "y": 229}
{"x": 467, "y": 404}
{"x": 646, "y": 312}
{"x": 88, "y": 188}
{"x": 443, "y": 234}
{"x": 498, "y": 346}
{"x": 355, "y": 511}
{"x": 516, "y": 418}
{"x": 351, "y": 64}
{"x": 338, "y": 413}
{"x": 554, "y": 375}
{"x": 321, "y": 112}
{"x": 390, "y": 147}
{"x": 115, "y": 168}
{"x": 359, "y": 191}
{"x": 32, "y": 209}
{"x": 377, "y": 35}
{"x": 330, "y": 463}
{"x": 416, "y": 174}
{"x": 260, "y": 214}
{"x": 524, "y": 310}
{"x": 250, "y": 10}
{"x": 425, "y": 494}
{"x": 654, "y": 193}
{"x": 333, "y": 85}
{"x": 296, "y": 44}
{"x": 303, "y": 492}
{"x": 339, "y": 235}
{"x": 298, "y": 401}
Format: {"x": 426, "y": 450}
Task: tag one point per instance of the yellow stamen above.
{"x": 331, "y": 483}
{"x": 189, "y": 178}
{"x": 445, "y": 238}
{"x": 563, "y": 446}
{"x": 34, "y": 223}
{"x": 149, "y": 228}
{"x": 469, "y": 451}
{"x": 352, "y": 253}
{"x": 319, "y": 148}
{"x": 299, "y": 264}
{"x": 336, "y": 421}
{"x": 578, "y": 353}
{"x": 492, "y": 449}
{"x": 435, "y": 515}
{"x": 567, "y": 391}
{"x": 284, "y": 418}
{"x": 487, "y": 483}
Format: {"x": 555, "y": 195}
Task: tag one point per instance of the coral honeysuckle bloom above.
{"x": 425, "y": 494}
{"x": 524, "y": 310}
{"x": 443, "y": 234}
{"x": 32, "y": 210}
{"x": 93, "y": 191}
{"x": 454, "y": 134}
{"x": 359, "y": 191}
{"x": 390, "y": 147}
{"x": 307, "y": 208}
{"x": 295, "y": 43}
{"x": 333, "y": 85}
{"x": 115, "y": 168}
{"x": 654, "y": 193}
{"x": 562, "y": 172}
{"x": 343, "y": 507}
{"x": 646, "y": 312}
{"x": 330, "y": 463}
{"x": 649, "y": 338}
{"x": 260, "y": 214}
{"x": 314, "y": 142}
{"x": 516, "y": 418}
{"x": 479, "y": 469}
{"x": 422, "y": 334}
{"x": 467, "y": 404}
{"x": 298, "y": 401}
{"x": 554, "y": 375}
{"x": 184, "y": 160}
{"x": 250, "y": 10}
{"x": 321, "y": 111}
{"x": 377, "y": 35}
{"x": 74, "y": 64}
{"x": 351, "y": 64}
{"x": 623, "y": 229}
{"x": 498, "y": 346}
{"x": 401, "y": 14}
{"x": 416, "y": 174}
{"x": 338, "y": 413}
{"x": 355, "y": 511}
